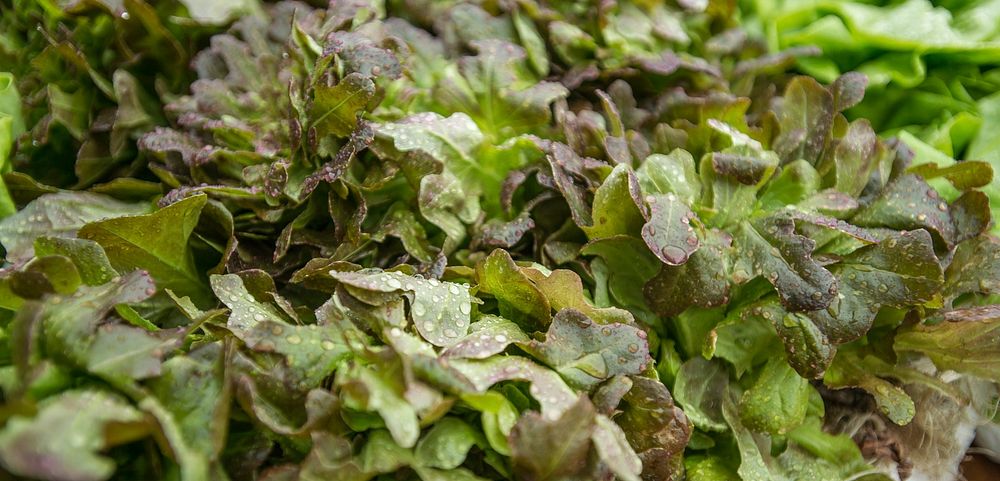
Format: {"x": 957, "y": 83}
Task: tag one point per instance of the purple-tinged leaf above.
{"x": 586, "y": 353}
{"x": 769, "y": 247}
{"x": 848, "y": 90}
{"x": 805, "y": 119}
{"x": 702, "y": 281}
{"x": 669, "y": 232}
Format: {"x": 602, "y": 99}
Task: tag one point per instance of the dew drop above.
{"x": 633, "y": 348}
{"x": 429, "y": 326}
{"x": 394, "y": 283}
{"x": 327, "y": 345}
{"x": 294, "y": 339}
{"x": 673, "y": 254}
{"x": 454, "y": 289}
{"x": 500, "y": 338}
{"x": 418, "y": 309}
{"x": 465, "y": 308}
{"x": 276, "y": 330}
{"x": 449, "y": 332}
{"x": 259, "y": 317}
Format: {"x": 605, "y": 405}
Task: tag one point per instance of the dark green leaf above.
{"x": 909, "y": 203}
{"x": 777, "y": 400}
{"x": 900, "y": 271}
{"x": 446, "y": 445}
{"x": 630, "y": 264}
{"x": 157, "y": 243}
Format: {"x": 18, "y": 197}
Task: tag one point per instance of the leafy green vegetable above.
{"x": 963, "y": 343}
{"x": 92, "y": 413}
{"x": 777, "y": 400}
{"x": 493, "y": 240}
{"x": 585, "y": 352}
{"x": 57, "y": 215}
{"x": 157, "y": 243}
{"x": 571, "y": 432}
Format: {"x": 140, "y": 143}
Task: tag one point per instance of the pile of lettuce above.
{"x": 933, "y": 67}
{"x": 468, "y": 240}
